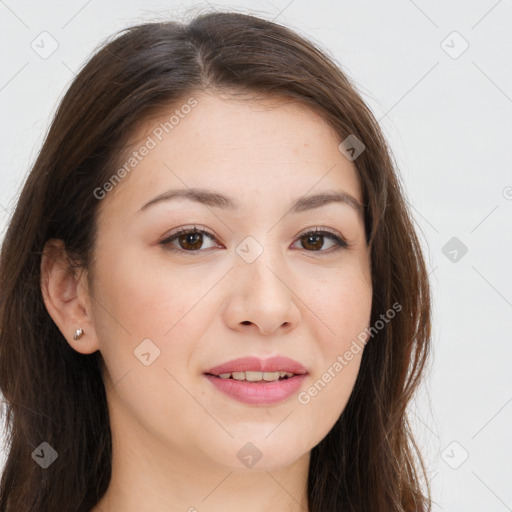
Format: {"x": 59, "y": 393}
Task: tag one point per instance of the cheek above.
{"x": 341, "y": 303}
{"x": 149, "y": 322}
{"x": 148, "y": 299}
{"x": 342, "y": 307}
{"x": 324, "y": 398}
{"x": 137, "y": 302}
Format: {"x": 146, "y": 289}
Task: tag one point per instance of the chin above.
{"x": 260, "y": 455}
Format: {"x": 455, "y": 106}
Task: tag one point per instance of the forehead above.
{"x": 265, "y": 150}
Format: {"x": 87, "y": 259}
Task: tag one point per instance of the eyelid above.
{"x": 325, "y": 230}
{"x": 195, "y": 228}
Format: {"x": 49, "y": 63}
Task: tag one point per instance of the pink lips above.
{"x": 254, "y": 364}
{"x": 258, "y": 393}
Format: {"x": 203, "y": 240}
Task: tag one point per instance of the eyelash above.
{"x": 339, "y": 241}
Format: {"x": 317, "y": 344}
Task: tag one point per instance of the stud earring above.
{"x": 78, "y": 334}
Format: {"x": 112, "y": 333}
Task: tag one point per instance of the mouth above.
{"x": 257, "y": 381}
{"x": 254, "y": 376}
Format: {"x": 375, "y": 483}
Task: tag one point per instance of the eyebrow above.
{"x": 216, "y": 200}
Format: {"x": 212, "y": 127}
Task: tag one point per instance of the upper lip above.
{"x": 255, "y": 364}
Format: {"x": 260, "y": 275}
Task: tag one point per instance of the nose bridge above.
{"x": 260, "y": 293}
{"x": 261, "y": 262}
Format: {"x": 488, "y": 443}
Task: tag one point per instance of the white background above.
{"x": 448, "y": 121}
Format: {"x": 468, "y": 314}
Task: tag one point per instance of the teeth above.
{"x": 256, "y": 376}
{"x": 253, "y": 376}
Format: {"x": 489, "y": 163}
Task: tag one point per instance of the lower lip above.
{"x": 258, "y": 393}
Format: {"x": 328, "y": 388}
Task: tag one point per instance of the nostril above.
{"x": 246, "y": 322}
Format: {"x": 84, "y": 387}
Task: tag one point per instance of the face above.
{"x": 184, "y": 284}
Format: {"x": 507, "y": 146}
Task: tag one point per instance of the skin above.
{"x": 175, "y": 436}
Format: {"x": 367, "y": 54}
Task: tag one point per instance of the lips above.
{"x": 255, "y": 364}
{"x": 258, "y": 393}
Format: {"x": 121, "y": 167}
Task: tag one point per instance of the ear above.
{"x": 66, "y": 297}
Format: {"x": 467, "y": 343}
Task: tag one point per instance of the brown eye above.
{"x": 314, "y": 241}
{"x": 191, "y": 241}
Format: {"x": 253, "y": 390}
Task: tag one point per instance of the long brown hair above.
{"x": 368, "y": 461}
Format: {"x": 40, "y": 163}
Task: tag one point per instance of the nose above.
{"x": 261, "y": 298}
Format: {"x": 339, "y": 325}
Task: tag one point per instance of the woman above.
{"x": 212, "y": 294}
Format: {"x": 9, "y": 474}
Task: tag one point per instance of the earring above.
{"x": 78, "y": 334}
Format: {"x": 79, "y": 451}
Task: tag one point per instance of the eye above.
{"x": 313, "y": 240}
{"x": 187, "y": 239}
